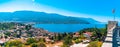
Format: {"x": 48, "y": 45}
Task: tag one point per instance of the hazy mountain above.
{"x": 41, "y": 17}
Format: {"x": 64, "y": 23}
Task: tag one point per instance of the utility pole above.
{"x": 113, "y": 12}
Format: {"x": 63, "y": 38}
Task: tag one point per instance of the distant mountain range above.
{"x": 43, "y": 18}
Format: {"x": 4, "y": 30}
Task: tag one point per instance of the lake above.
{"x": 67, "y": 27}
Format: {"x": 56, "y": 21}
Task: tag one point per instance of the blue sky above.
{"x": 100, "y": 10}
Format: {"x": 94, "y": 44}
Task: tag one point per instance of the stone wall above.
{"x": 111, "y": 25}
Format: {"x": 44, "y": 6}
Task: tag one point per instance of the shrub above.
{"x": 14, "y": 43}
{"x": 30, "y": 41}
{"x": 67, "y": 40}
{"x": 34, "y": 45}
{"x": 41, "y": 40}
{"x": 95, "y": 44}
{"x": 77, "y": 41}
{"x": 38, "y": 45}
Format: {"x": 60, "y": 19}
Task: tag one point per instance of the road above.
{"x": 116, "y": 37}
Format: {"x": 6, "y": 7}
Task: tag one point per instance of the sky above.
{"x": 100, "y": 10}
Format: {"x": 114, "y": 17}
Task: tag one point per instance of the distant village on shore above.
{"x": 27, "y": 35}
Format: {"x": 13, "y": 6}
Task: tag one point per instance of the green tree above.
{"x": 58, "y": 37}
{"x": 8, "y": 33}
{"x": 67, "y": 40}
{"x": 14, "y": 43}
{"x": 28, "y": 27}
{"x": 34, "y": 45}
{"x": 31, "y": 40}
{"x": 38, "y": 45}
{"x": 77, "y": 41}
{"x": 41, "y": 40}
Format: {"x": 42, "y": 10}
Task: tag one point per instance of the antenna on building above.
{"x": 113, "y": 12}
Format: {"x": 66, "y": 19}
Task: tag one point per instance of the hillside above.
{"x": 44, "y": 18}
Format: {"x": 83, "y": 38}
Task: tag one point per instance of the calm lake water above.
{"x": 67, "y": 27}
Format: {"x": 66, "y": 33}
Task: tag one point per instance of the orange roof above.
{"x": 89, "y": 33}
